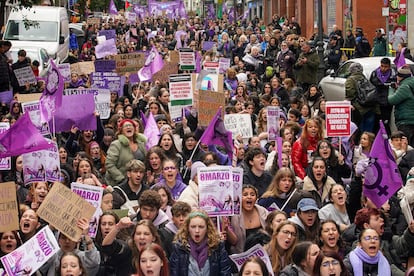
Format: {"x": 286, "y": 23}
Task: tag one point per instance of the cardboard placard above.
{"x": 62, "y": 209}
{"x": 9, "y": 216}
{"x": 130, "y": 62}
{"x": 25, "y": 75}
{"x": 83, "y": 68}
{"x": 29, "y": 97}
{"x": 239, "y": 124}
{"x": 169, "y": 68}
{"x": 208, "y": 103}
{"x": 93, "y": 21}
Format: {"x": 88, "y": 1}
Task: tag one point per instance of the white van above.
{"x": 48, "y": 28}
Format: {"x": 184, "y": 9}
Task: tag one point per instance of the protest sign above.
{"x": 30, "y": 256}
{"x": 237, "y": 189}
{"x": 83, "y": 68}
{"x": 77, "y": 110}
{"x": 33, "y": 108}
{"x": 212, "y": 67}
{"x": 338, "y": 119}
{"x": 273, "y": 116}
{"x": 6, "y": 97}
{"x": 130, "y": 62}
{"x": 9, "y": 216}
{"x": 169, "y": 68}
{"x": 24, "y": 75}
{"x": 93, "y": 195}
{"x": 224, "y": 64}
{"x": 181, "y": 91}
{"x": 174, "y": 57}
{"x": 107, "y": 80}
{"x": 216, "y": 190}
{"x": 29, "y": 97}
{"x": 5, "y": 163}
{"x": 109, "y": 34}
{"x": 255, "y": 251}
{"x": 187, "y": 59}
{"x": 62, "y": 209}
{"x": 239, "y": 124}
{"x": 208, "y": 104}
{"x": 93, "y": 20}
{"x": 208, "y": 81}
{"x": 103, "y": 103}
{"x": 42, "y": 165}
{"x": 207, "y": 45}
{"x": 64, "y": 69}
{"x": 105, "y": 65}
{"x": 106, "y": 48}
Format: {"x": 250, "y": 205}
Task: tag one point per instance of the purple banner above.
{"x": 106, "y": 80}
{"x": 105, "y": 65}
{"x": 109, "y": 34}
{"x": 106, "y": 48}
{"x": 207, "y": 45}
{"x": 6, "y": 97}
{"x": 76, "y": 110}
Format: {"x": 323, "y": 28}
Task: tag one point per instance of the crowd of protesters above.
{"x": 308, "y": 212}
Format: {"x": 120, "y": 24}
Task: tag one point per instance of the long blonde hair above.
{"x": 213, "y": 238}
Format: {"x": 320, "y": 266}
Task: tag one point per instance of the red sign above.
{"x": 338, "y": 119}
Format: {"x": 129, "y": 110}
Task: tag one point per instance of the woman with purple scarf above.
{"x": 367, "y": 259}
{"x": 198, "y": 249}
{"x": 382, "y": 78}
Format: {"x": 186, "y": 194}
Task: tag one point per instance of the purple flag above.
{"x": 22, "y": 137}
{"x": 106, "y": 48}
{"x": 216, "y": 134}
{"x": 77, "y": 110}
{"x": 400, "y": 59}
{"x": 211, "y": 12}
{"x": 231, "y": 15}
{"x": 151, "y": 131}
{"x": 181, "y": 10}
{"x": 246, "y": 14}
{"x": 198, "y": 59}
{"x": 143, "y": 118}
{"x": 51, "y": 98}
{"x": 112, "y": 8}
{"x": 153, "y": 64}
{"x": 382, "y": 178}
{"x": 225, "y": 9}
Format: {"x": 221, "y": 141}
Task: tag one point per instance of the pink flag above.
{"x": 382, "y": 178}
{"x": 151, "y": 131}
{"x": 112, "y": 8}
{"x": 51, "y": 98}
{"x": 22, "y": 137}
{"x": 216, "y": 134}
{"x": 153, "y": 64}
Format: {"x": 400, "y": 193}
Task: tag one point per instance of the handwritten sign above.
{"x": 93, "y": 195}
{"x": 83, "y": 68}
{"x": 239, "y": 124}
{"x": 25, "y": 75}
{"x": 93, "y": 21}
{"x": 255, "y": 251}
{"x": 169, "y": 68}
{"x": 9, "y": 217}
{"x": 338, "y": 119}
{"x": 208, "y": 104}
{"x": 5, "y": 163}
{"x": 103, "y": 103}
{"x": 129, "y": 62}
{"x": 29, "y": 97}
{"x": 62, "y": 209}
{"x": 29, "y": 257}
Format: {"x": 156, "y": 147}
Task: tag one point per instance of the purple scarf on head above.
{"x": 383, "y": 77}
{"x": 199, "y": 251}
{"x": 358, "y": 257}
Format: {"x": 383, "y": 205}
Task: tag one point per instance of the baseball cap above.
{"x": 306, "y": 204}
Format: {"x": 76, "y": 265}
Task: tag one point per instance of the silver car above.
{"x": 333, "y": 86}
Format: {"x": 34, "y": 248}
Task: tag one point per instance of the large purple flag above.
{"x": 106, "y": 48}
{"x": 143, "y": 118}
{"x": 216, "y": 134}
{"x": 231, "y": 15}
{"x": 112, "y": 8}
{"x": 211, "y": 12}
{"x": 153, "y": 64}
{"x": 400, "y": 59}
{"x": 51, "y": 98}
{"x": 382, "y": 178}
{"x": 22, "y": 137}
{"x": 181, "y": 9}
{"x": 151, "y": 131}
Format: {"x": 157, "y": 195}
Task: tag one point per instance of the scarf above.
{"x": 199, "y": 251}
{"x": 383, "y": 77}
{"x": 358, "y": 257}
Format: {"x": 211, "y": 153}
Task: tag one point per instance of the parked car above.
{"x": 34, "y": 53}
{"x": 333, "y": 85}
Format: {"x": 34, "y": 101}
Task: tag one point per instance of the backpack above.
{"x": 366, "y": 93}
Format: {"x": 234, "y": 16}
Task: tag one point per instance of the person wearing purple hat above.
{"x": 403, "y": 100}
{"x": 307, "y": 220}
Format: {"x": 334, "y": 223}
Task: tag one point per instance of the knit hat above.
{"x": 121, "y": 124}
{"x": 355, "y": 68}
{"x": 404, "y": 73}
{"x": 194, "y": 168}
